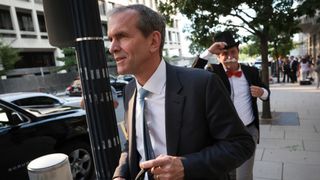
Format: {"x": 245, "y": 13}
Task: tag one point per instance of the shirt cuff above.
{"x": 207, "y": 55}
{"x": 265, "y": 94}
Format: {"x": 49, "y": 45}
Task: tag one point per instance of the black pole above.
{"x": 94, "y": 77}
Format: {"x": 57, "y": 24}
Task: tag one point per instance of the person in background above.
{"x": 304, "y": 69}
{"x": 180, "y": 121}
{"x": 243, "y": 84}
{"x": 286, "y": 69}
{"x": 317, "y": 70}
{"x": 293, "y": 69}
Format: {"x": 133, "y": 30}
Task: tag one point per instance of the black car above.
{"x": 28, "y": 133}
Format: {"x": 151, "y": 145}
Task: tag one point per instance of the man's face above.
{"x": 229, "y": 54}
{"x": 128, "y": 46}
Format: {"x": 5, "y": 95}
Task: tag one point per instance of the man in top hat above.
{"x": 242, "y": 82}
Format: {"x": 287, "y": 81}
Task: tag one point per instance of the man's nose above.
{"x": 114, "y": 46}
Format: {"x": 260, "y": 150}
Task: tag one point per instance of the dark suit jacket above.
{"x": 251, "y": 74}
{"x": 202, "y": 126}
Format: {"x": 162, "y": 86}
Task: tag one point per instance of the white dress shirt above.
{"x": 154, "y": 113}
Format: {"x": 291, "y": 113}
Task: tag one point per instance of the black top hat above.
{"x": 226, "y": 36}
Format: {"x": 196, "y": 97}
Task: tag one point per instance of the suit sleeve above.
{"x": 257, "y": 82}
{"x": 199, "y": 63}
{"x": 231, "y": 144}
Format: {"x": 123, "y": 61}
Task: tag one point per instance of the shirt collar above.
{"x": 157, "y": 81}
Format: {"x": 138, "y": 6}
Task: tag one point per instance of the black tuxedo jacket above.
{"x": 202, "y": 126}
{"x": 251, "y": 74}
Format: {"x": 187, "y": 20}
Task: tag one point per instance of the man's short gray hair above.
{"x": 149, "y": 21}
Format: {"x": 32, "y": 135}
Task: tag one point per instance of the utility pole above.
{"x": 77, "y": 23}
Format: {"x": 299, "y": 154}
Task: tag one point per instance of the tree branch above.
{"x": 246, "y": 22}
{"x": 239, "y": 26}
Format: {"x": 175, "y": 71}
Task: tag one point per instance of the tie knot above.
{"x": 234, "y": 73}
{"x": 143, "y": 93}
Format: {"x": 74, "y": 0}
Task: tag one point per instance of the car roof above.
{"x": 10, "y": 97}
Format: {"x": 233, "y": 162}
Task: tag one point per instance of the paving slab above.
{"x": 293, "y": 156}
{"x": 295, "y": 171}
{"x": 312, "y": 145}
{"x": 293, "y": 128}
{"x": 258, "y": 154}
{"x": 275, "y": 134}
{"x": 289, "y": 144}
{"x": 267, "y": 170}
{"x": 302, "y": 135}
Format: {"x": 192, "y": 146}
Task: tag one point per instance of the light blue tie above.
{"x": 149, "y": 154}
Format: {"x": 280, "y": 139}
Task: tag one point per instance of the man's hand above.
{"x": 256, "y": 91}
{"x": 217, "y": 48}
{"x": 165, "y": 167}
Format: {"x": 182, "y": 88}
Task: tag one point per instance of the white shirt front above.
{"x": 241, "y": 97}
{"x": 154, "y": 112}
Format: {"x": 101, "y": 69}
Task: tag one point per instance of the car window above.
{"x": 3, "y": 117}
{"x": 9, "y": 117}
{"x": 37, "y": 101}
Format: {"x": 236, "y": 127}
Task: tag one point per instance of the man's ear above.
{"x": 155, "y": 41}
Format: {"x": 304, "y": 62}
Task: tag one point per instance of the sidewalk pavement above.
{"x": 290, "y": 152}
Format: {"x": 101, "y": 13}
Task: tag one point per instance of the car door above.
{"x": 20, "y": 143}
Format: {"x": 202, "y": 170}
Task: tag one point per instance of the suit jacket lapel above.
{"x": 174, "y": 104}
{"x": 246, "y": 73}
{"x": 219, "y": 70}
{"x": 133, "y": 161}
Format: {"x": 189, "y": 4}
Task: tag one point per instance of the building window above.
{"x": 102, "y": 7}
{"x": 25, "y": 21}
{"x": 38, "y": 1}
{"x": 104, "y": 27}
{"x": 110, "y": 5}
{"x": 35, "y": 59}
{"x": 170, "y": 38}
{"x": 151, "y": 3}
{"x": 42, "y": 24}
{"x": 5, "y": 19}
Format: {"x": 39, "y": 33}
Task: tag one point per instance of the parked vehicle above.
{"x": 118, "y": 84}
{"x": 28, "y": 133}
{"x": 75, "y": 88}
{"x": 126, "y": 77}
{"x": 38, "y": 100}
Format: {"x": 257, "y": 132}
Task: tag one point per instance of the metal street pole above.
{"x": 77, "y": 23}
{"x": 94, "y": 77}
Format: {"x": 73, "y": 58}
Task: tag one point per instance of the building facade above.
{"x": 22, "y": 26}
{"x": 310, "y": 36}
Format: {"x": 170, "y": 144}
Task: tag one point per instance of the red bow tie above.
{"x": 234, "y": 73}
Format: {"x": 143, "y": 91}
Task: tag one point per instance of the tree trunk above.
{"x": 266, "y": 114}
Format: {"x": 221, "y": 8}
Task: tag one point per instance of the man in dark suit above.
{"x": 243, "y": 84}
{"x": 189, "y": 124}
{"x": 293, "y": 69}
